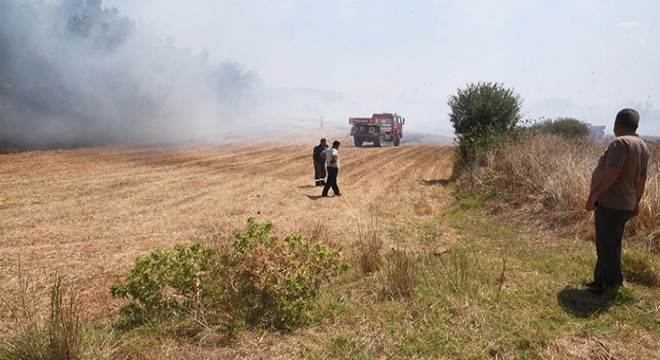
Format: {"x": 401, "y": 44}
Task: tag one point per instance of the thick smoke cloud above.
{"x": 77, "y": 73}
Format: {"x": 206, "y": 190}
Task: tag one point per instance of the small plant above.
{"x": 501, "y": 281}
{"x": 318, "y": 232}
{"x": 400, "y": 275}
{"x": 457, "y": 271}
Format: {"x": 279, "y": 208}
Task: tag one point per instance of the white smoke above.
{"x": 77, "y": 73}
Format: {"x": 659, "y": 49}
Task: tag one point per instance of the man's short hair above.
{"x": 322, "y": 139}
{"x": 628, "y": 118}
{"x": 335, "y": 143}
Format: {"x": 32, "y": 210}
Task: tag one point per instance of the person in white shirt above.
{"x": 331, "y": 156}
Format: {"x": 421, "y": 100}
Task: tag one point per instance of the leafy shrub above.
{"x": 167, "y": 282}
{"x": 275, "y": 280}
{"x": 260, "y": 279}
{"x": 566, "y": 127}
{"x": 483, "y": 115}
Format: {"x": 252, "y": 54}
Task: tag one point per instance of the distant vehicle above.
{"x": 596, "y": 132}
{"x": 379, "y": 129}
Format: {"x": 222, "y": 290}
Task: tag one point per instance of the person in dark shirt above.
{"x": 617, "y": 186}
{"x": 319, "y": 162}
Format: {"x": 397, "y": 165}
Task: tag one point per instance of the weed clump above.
{"x": 57, "y": 336}
{"x": 400, "y": 275}
{"x": 259, "y": 280}
{"x": 368, "y": 250}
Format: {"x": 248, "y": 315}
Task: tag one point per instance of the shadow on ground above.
{"x": 583, "y": 304}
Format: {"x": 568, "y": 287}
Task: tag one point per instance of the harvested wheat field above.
{"x": 87, "y": 213}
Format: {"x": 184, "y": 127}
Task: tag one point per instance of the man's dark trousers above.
{"x": 609, "y": 232}
{"x": 332, "y": 181}
{"x": 319, "y": 172}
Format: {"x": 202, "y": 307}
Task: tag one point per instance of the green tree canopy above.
{"x": 484, "y": 116}
{"x": 484, "y": 106}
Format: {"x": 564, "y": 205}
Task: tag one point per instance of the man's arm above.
{"x": 606, "y": 180}
{"x": 639, "y": 192}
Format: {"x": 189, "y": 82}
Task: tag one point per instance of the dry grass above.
{"x": 575, "y": 347}
{"x": 367, "y": 250}
{"x": 41, "y": 334}
{"x": 550, "y": 176}
{"x": 400, "y": 275}
{"x": 89, "y": 212}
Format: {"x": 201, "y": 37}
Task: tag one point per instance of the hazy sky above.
{"x": 585, "y": 59}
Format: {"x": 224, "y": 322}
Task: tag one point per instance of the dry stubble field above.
{"x": 87, "y": 213}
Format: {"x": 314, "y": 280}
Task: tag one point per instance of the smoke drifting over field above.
{"x": 77, "y": 73}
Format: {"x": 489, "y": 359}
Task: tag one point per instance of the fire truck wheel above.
{"x": 358, "y": 142}
{"x": 396, "y": 141}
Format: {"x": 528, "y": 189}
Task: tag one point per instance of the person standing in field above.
{"x": 331, "y": 156}
{"x": 617, "y": 186}
{"x": 319, "y": 162}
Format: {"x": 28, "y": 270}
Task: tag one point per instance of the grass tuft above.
{"x": 35, "y": 336}
{"x": 368, "y": 250}
{"x": 458, "y": 272}
{"x": 640, "y": 267}
{"x": 400, "y": 275}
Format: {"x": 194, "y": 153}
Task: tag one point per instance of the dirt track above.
{"x": 88, "y": 212}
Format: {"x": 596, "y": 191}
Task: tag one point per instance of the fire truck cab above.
{"x": 379, "y": 129}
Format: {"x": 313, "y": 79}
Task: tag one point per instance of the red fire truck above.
{"x": 379, "y": 128}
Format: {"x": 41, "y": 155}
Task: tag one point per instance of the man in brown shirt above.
{"x": 617, "y": 186}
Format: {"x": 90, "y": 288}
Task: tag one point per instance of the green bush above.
{"x": 566, "y": 127}
{"x": 260, "y": 279}
{"x": 168, "y": 282}
{"x": 483, "y": 116}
